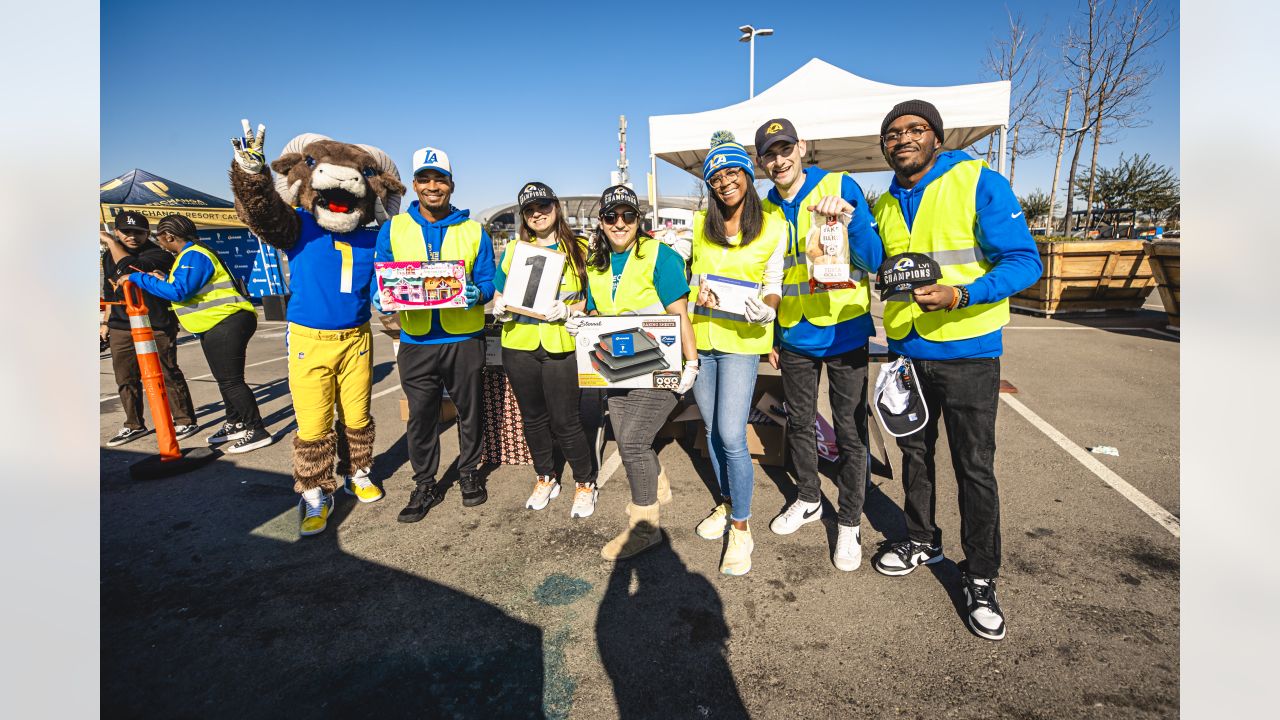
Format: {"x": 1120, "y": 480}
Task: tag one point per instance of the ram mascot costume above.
{"x": 319, "y": 210}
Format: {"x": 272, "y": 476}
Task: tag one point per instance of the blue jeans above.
{"x": 723, "y": 390}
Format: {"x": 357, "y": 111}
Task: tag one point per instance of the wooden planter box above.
{"x": 1165, "y": 259}
{"x": 1088, "y": 276}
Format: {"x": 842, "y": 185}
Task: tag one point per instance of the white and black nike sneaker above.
{"x": 904, "y": 556}
{"x": 985, "y": 617}
{"x": 796, "y": 515}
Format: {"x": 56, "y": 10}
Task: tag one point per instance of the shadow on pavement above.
{"x": 663, "y": 646}
{"x": 212, "y": 607}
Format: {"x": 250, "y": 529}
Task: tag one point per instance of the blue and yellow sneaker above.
{"x": 362, "y": 487}
{"x": 314, "y": 517}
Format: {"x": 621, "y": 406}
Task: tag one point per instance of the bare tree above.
{"x": 1082, "y": 52}
{"x": 700, "y": 192}
{"x": 1018, "y": 59}
{"x": 1057, "y": 163}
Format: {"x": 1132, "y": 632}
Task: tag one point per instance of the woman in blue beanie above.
{"x": 737, "y": 250}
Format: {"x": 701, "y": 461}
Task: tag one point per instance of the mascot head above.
{"x": 337, "y": 182}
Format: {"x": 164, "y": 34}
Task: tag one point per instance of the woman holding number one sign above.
{"x": 629, "y": 272}
{"x": 538, "y": 354}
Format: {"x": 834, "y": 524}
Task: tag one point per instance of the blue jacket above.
{"x": 867, "y": 252}
{"x": 1002, "y": 233}
{"x": 482, "y": 270}
{"x": 188, "y": 278}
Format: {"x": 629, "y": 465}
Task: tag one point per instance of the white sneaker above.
{"x": 584, "y": 500}
{"x": 797, "y": 514}
{"x": 848, "y": 555}
{"x": 714, "y": 526}
{"x": 546, "y": 490}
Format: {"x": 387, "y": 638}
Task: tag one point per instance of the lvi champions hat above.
{"x": 905, "y": 272}
{"x": 898, "y": 400}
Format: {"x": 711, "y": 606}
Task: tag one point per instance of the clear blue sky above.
{"x": 515, "y": 91}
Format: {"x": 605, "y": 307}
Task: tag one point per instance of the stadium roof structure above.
{"x": 585, "y": 207}
{"x": 837, "y": 114}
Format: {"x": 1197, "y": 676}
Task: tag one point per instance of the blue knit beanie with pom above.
{"x": 725, "y": 153}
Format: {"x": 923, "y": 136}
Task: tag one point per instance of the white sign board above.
{"x": 533, "y": 280}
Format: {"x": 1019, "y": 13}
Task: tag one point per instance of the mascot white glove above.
{"x": 758, "y": 312}
{"x": 559, "y": 311}
{"x": 687, "y": 377}
{"x": 248, "y": 149}
{"x": 574, "y": 323}
{"x": 500, "y": 310}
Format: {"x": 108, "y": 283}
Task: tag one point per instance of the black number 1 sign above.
{"x": 538, "y": 263}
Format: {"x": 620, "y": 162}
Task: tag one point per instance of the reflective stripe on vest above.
{"x": 461, "y": 242}
{"x": 636, "y": 291}
{"x": 525, "y": 333}
{"x": 215, "y": 300}
{"x": 716, "y": 329}
{"x": 802, "y": 298}
{"x": 943, "y": 229}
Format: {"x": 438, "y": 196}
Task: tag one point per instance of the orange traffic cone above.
{"x": 172, "y": 460}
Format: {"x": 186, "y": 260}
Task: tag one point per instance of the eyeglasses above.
{"x": 915, "y": 132}
{"x": 724, "y": 177}
{"x": 611, "y": 217}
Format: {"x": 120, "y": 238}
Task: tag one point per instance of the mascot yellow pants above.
{"x": 328, "y": 367}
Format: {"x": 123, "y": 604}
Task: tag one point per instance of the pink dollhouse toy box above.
{"x": 421, "y": 285}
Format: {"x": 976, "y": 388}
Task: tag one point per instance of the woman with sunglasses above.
{"x": 539, "y": 360}
{"x": 738, "y": 243}
{"x": 629, "y": 272}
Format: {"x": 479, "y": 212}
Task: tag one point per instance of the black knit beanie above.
{"x": 920, "y": 108}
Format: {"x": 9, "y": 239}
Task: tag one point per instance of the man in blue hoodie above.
{"x": 440, "y": 349}
{"x": 963, "y": 215}
{"x": 821, "y": 324}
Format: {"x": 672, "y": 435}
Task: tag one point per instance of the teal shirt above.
{"x": 669, "y": 277}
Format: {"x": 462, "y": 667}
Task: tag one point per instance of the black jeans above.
{"x": 124, "y": 362}
{"x": 637, "y": 416}
{"x": 224, "y": 347}
{"x": 424, "y": 371}
{"x": 847, "y": 388}
{"x": 965, "y": 393}
{"x": 546, "y": 389}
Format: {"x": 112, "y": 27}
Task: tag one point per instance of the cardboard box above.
{"x": 652, "y": 360}
{"x": 766, "y": 441}
{"x": 448, "y": 410}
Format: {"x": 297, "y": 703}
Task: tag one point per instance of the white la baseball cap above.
{"x": 429, "y": 158}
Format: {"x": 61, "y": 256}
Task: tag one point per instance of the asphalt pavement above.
{"x": 212, "y": 606}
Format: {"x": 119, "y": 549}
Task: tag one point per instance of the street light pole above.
{"x": 749, "y": 36}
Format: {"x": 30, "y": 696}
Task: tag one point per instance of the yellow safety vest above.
{"x": 943, "y": 229}
{"x": 719, "y": 329}
{"x": 802, "y": 298}
{"x": 217, "y": 299}
{"x": 636, "y": 291}
{"x": 526, "y": 333}
{"x": 461, "y": 242}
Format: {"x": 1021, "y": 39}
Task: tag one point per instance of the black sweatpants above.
{"x": 124, "y": 363}
{"x": 546, "y": 389}
{"x": 965, "y": 393}
{"x": 424, "y": 371}
{"x": 847, "y": 388}
{"x": 224, "y": 347}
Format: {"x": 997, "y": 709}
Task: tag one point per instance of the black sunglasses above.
{"x": 628, "y": 216}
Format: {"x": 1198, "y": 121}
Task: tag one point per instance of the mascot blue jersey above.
{"x": 330, "y": 276}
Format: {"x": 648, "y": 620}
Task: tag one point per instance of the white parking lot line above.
{"x": 1132, "y": 494}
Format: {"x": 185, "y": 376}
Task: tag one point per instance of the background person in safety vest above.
{"x": 629, "y": 272}
{"x": 440, "y": 349}
{"x": 332, "y": 191}
{"x": 733, "y": 238}
{"x": 964, "y": 216}
{"x": 821, "y": 325}
{"x": 538, "y": 356}
{"x": 129, "y": 250}
{"x": 208, "y": 305}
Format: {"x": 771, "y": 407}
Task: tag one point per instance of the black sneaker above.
{"x": 904, "y": 556}
{"x": 229, "y": 431}
{"x": 252, "y": 439}
{"x": 985, "y": 618}
{"x": 126, "y": 435}
{"x": 424, "y": 497}
{"x": 473, "y": 492}
{"x": 181, "y": 432}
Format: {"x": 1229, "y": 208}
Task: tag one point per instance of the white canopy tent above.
{"x": 837, "y": 114}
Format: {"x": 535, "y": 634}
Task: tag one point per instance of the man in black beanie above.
{"x": 965, "y": 217}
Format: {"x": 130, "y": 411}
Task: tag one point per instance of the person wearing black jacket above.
{"x": 129, "y": 250}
